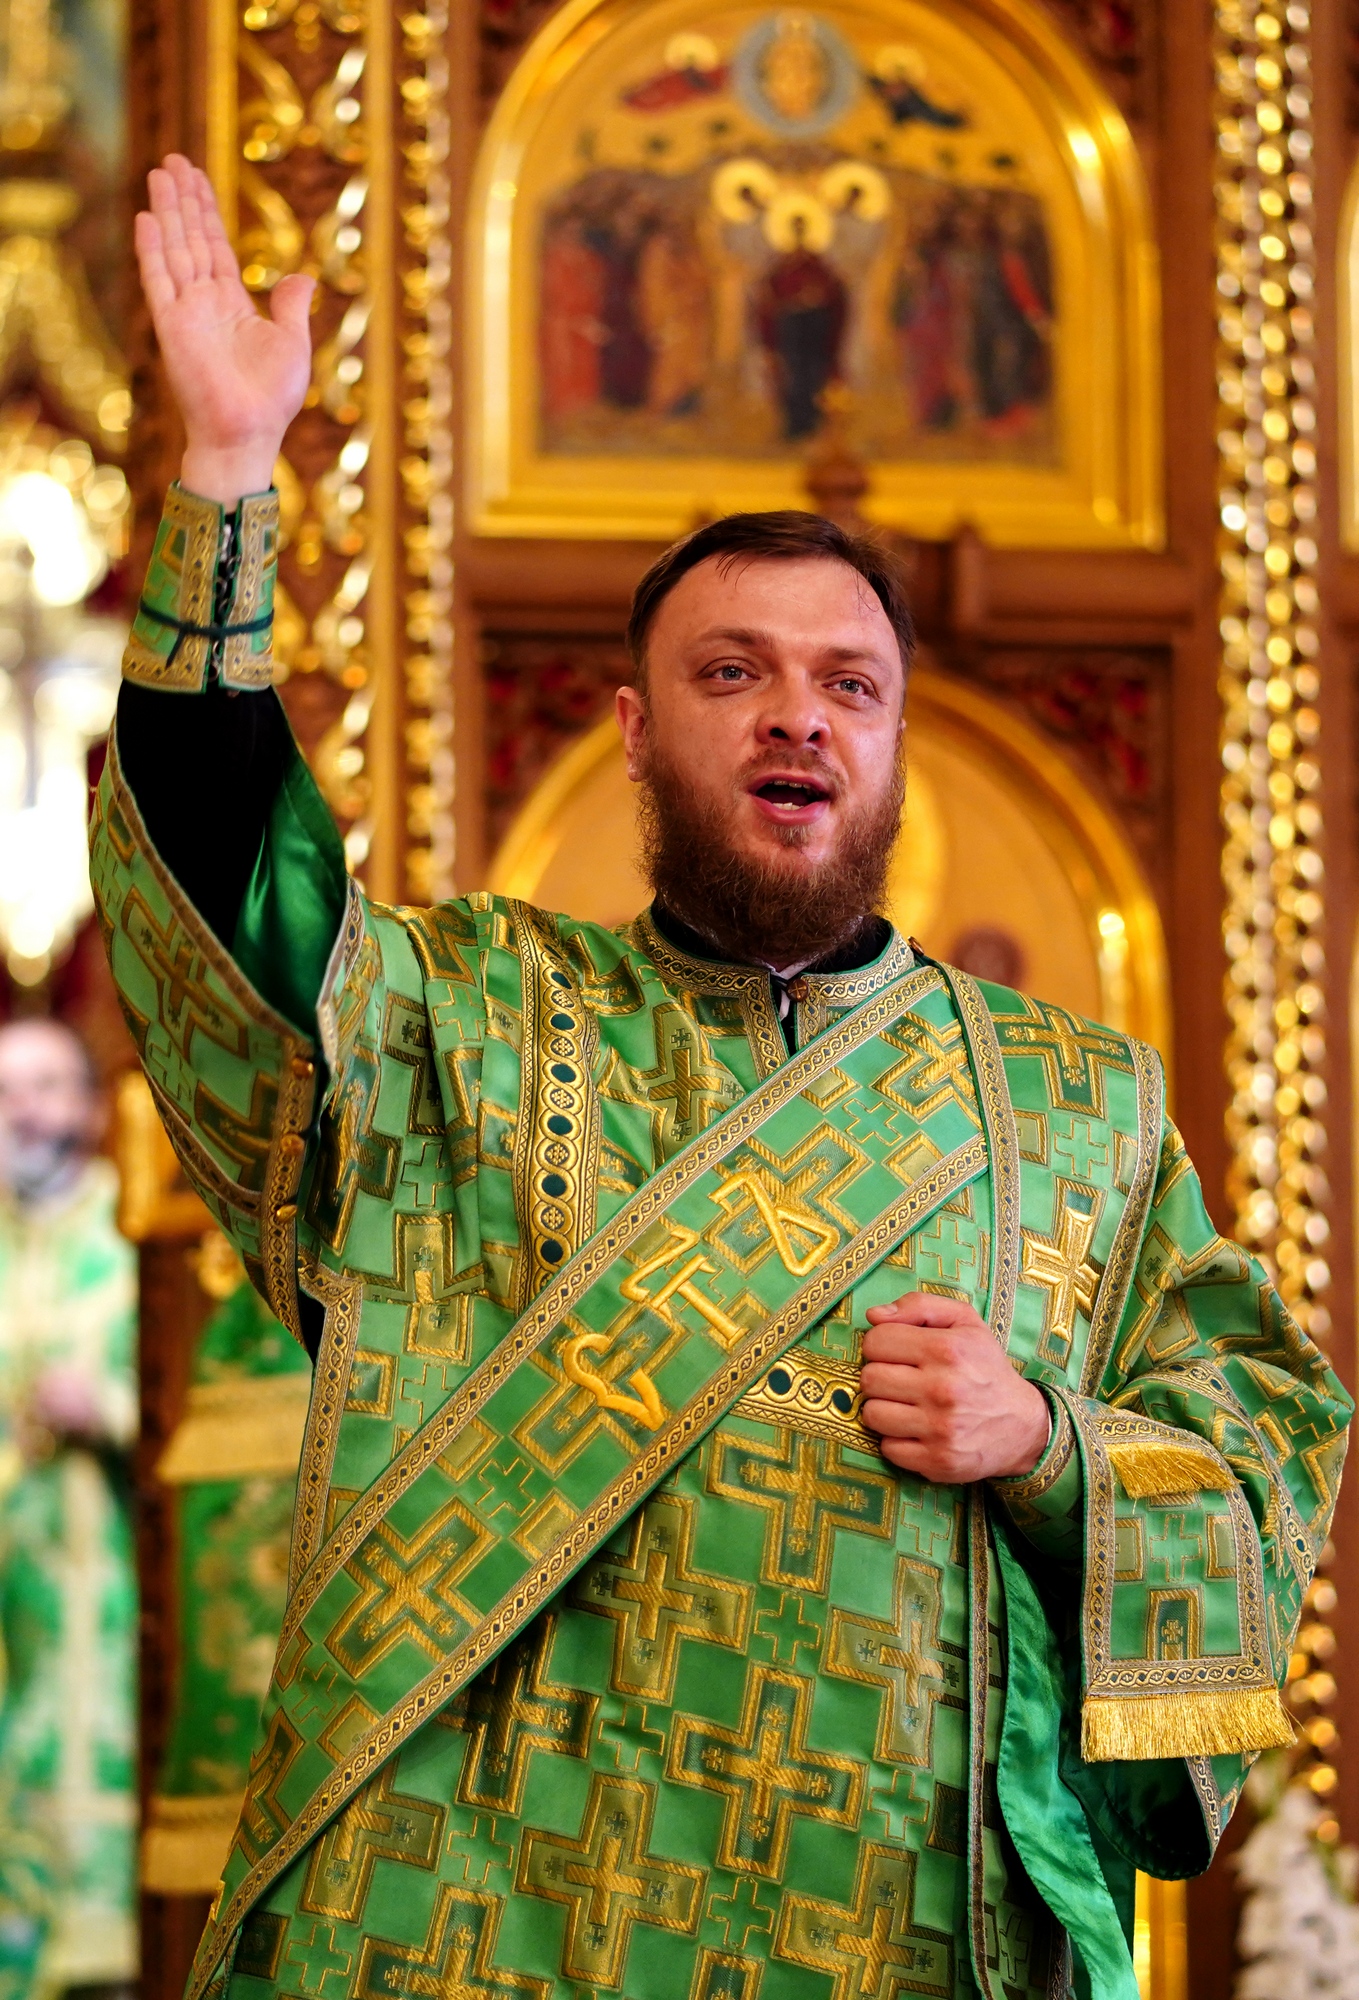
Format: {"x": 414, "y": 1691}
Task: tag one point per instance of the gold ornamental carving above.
{"x": 328, "y": 144}
{"x": 1273, "y": 857}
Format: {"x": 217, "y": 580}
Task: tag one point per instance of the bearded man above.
{"x": 68, "y": 1602}
{"x": 798, "y": 1500}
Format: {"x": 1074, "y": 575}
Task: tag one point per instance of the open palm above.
{"x": 237, "y": 377}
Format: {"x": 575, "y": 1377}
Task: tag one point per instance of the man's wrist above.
{"x": 228, "y": 474}
{"x": 1043, "y": 1427}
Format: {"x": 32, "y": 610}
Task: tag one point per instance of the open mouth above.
{"x": 792, "y": 794}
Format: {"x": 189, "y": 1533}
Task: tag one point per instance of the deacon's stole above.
{"x": 639, "y": 1340}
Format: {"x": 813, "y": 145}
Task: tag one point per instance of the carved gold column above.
{"x": 1273, "y": 853}
{"x": 327, "y": 138}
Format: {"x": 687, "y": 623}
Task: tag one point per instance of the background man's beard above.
{"x": 761, "y": 909}
{"x": 34, "y": 1167}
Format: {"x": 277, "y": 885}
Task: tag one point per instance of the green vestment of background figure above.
{"x": 68, "y": 1605}
{"x": 233, "y": 1459}
{"x": 616, "y": 1659}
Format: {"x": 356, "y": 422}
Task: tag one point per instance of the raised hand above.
{"x": 238, "y": 378}
{"x": 943, "y": 1397}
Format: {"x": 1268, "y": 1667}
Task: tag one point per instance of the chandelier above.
{"x": 63, "y": 523}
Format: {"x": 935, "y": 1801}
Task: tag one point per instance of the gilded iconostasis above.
{"x": 1055, "y": 294}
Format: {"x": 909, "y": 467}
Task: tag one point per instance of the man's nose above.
{"x": 794, "y": 717}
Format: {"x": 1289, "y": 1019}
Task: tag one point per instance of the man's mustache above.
{"x": 810, "y": 763}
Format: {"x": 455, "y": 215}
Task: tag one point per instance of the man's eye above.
{"x": 731, "y": 670}
{"x": 851, "y": 684}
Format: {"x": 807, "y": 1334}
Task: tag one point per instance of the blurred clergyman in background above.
{"x": 67, "y": 1578}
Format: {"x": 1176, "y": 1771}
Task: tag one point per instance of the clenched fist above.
{"x": 942, "y": 1396}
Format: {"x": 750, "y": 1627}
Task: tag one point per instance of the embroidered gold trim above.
{"x": 343, "y": 958}
{"x": 555, "y": 1168}
{"x": 257, "y": 531}
{"x": 846, "y": 989}
{"x": 1112, "y": 1295}
{"x": 200, "y": 522}
{"x": 282, "y": 1179}
{"x": 696, "y": 975}
{"x": 334, "y": 1359}
{"x": 827, "y": 991}
{"x": 210, "y": 1180}
{"x": 1030, "y": 1486}
{"x": 1191, "y": 1722}
{"x": 1201, "y": 1777}
{"x": 979, "y": 1688}
{"x": 812, "y": 1393}
{"x": 998, "y": 1117}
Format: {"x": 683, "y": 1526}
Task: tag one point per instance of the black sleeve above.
{"x": 205, "y": 770}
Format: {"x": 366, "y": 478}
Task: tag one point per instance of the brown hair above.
{"x": 785, "y": 535}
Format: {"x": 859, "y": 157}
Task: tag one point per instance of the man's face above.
{"x": 48, "y": 1111}
{"x": 775, "y": 693}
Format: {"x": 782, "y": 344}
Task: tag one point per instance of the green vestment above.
{"x": 616, "y": 1660}
{"x": 68, "y": 1605}
{"x": 233, "y": 1458}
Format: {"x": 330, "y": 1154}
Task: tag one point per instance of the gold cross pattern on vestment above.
{"x": 873, "y": 1950}
{"x": 1073, "y": 1052}
{"x": 607, "y": 1880}
{"x": 407, "y": 1589}
{"x": 454, "y": 1963}
{"x": 1061, "y": 1267}
{"x": 685, "y": 1076}
{"x": 263, "y": 1817}
{"x": 807, "y": 1491}
{"x": 656, "y": 1598}
{"x": 766, "y": 1772}
{"x": 511, "y": 1710}
{"x": 801, "y": 1239}
{"x": 935, "y": 1070}
{"x": 380, "y": 1824}
{"x": 187, "y": 1002}
{"x": 902, "y": 1657}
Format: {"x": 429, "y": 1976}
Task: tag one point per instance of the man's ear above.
{"x": 630, "y": 709}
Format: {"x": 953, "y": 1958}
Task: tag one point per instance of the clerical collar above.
{"x": 868, "y": 942}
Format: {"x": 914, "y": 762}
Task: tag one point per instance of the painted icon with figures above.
{"x": 700, "y": 230}
{"x": 761, "y": 216}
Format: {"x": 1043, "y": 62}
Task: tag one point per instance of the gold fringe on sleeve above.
{"x": 1189, "y": 1722}
{"x": 1150, "y": 1467}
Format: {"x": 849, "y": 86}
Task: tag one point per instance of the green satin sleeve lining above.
{"x": 1043, "y": 1816}
{"x": 295, "y": 900}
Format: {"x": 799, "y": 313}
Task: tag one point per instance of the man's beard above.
{"x": 35, "y": 1166}
{"x": 758, "y": 908}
